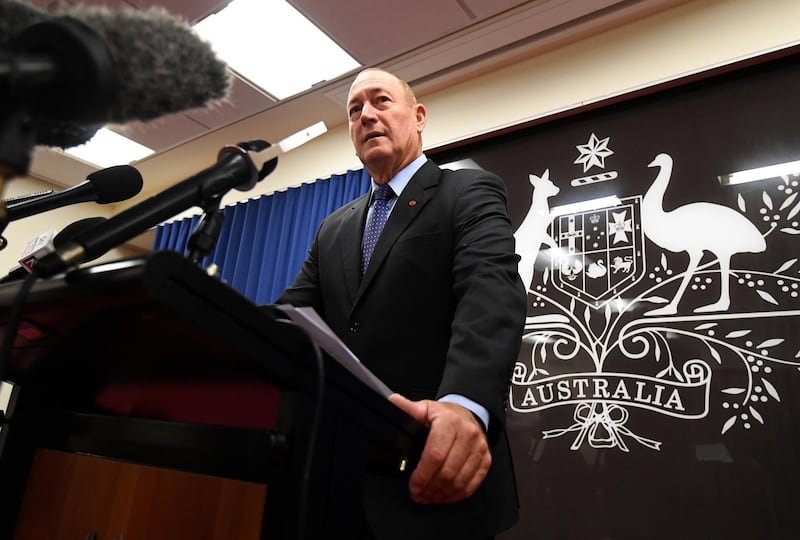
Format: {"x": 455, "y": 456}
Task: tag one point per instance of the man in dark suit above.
{"x": 437, "y": 314}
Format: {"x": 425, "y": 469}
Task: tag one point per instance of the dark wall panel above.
{"x": 642, "y": 408}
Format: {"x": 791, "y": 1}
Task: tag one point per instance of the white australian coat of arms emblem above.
{"x": 607, "y": 317}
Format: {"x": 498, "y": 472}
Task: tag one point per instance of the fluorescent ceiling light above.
{"x": 273, "y": 46}
{"x": 585, "y": 206}
{"x": 761, "y": 173}
{"x": 107, "y": 149}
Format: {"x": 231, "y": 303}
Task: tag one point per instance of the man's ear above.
{"x": 420, "y": 116}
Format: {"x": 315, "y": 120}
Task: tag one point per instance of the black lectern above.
{"x": 154, "y": 363}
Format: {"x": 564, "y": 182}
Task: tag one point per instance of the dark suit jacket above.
{"x": 440, "y": 310}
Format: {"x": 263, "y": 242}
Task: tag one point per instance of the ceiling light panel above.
{"x": 272, "y": 45}
{"x": 107, "y": 149}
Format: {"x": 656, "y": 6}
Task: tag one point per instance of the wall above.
{"x": 692, "y": 37}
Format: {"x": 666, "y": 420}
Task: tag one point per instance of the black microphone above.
{"x": 234, "y": 169}
{"x": 93, "y": 66}
{"x": 238, "y": 167}
{"x": 110, "y": 185}
{"x": 71, "y": 231}
{"x": 16, "y": 16}
{"x": 27, "y": 262}
{"x": 27, "y": 197}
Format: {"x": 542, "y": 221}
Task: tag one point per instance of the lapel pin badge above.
{"x": 412, "y": 202}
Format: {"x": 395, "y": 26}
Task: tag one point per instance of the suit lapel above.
{"x": 352, "y": 232}
{"x": 410, "y": 203}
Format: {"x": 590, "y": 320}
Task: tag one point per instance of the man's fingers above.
{"x": 470, "y": 477}
{"x": 455, "y": 459}
{"x": 418, "y": 410}
{"x": 461, "y": 473}
{"x": 427, "y": 474}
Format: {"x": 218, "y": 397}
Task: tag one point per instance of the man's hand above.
{"x": 456, "y": 456}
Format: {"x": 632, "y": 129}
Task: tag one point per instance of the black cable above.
{"x": 312, "y": 433}
{"x": 13, "y": 322}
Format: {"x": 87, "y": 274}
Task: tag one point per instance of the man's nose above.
{"x": 368, "y": 112}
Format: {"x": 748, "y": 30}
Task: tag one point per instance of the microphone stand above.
{"x": 238, "y": 167}
{"x": 206, "y": 234}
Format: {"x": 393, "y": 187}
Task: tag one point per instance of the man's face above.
{"x": 384, "y": 126}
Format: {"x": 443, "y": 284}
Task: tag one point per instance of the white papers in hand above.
{"x": 308, "y": 319}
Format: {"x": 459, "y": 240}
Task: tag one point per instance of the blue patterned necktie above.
{"x": 375, "y": 223}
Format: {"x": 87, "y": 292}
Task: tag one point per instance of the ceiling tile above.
{"x": 191, "y": 10}
{"x": 244, "y": 100}
{"x": 372, "y": 35}
{"x": 482, "y": 9}
{"x": 168, "y": 131}
{"x": 162, "y": 133}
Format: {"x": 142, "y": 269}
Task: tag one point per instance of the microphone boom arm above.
{"x": 234, "y": 168}
{"x": 238, "y": 167}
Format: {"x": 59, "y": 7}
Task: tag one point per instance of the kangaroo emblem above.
{"x": 532, "y": 232}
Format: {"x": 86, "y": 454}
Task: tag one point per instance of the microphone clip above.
{"x": 206, "y": 234}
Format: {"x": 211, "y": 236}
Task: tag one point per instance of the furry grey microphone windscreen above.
{"x": 115, "y": 184}
{"x": 62, "y": 134}
{"x": 15, "y": 17}
{"x": 161, "y": 65}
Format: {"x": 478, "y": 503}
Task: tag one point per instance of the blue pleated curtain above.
{"x": 264, "y": 241}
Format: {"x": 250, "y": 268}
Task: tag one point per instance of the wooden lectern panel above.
{"x": 72, "y": 496}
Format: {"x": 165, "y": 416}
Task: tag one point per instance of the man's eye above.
{"x": 354, "y": 110}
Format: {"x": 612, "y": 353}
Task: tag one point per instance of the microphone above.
{"x": 234, "y": 169}
{"x": 46, "y": 243}
{"x": 29, "y": 197}
{"x": 110, "y": 185}
{"x": 15, "y": 16}
{"x": 238, "y": 167}
{"x": 93, "y": 66}
{"x": 72, "y": 230}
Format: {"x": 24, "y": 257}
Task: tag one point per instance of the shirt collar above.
{"x": 399, "y": 182}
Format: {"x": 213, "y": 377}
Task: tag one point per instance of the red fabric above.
{"x": 239, "y": 403}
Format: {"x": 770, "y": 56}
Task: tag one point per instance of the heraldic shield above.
{"x": 601, "y": 252}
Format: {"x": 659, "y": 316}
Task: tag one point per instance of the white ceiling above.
{"x": 430, "y": 43}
